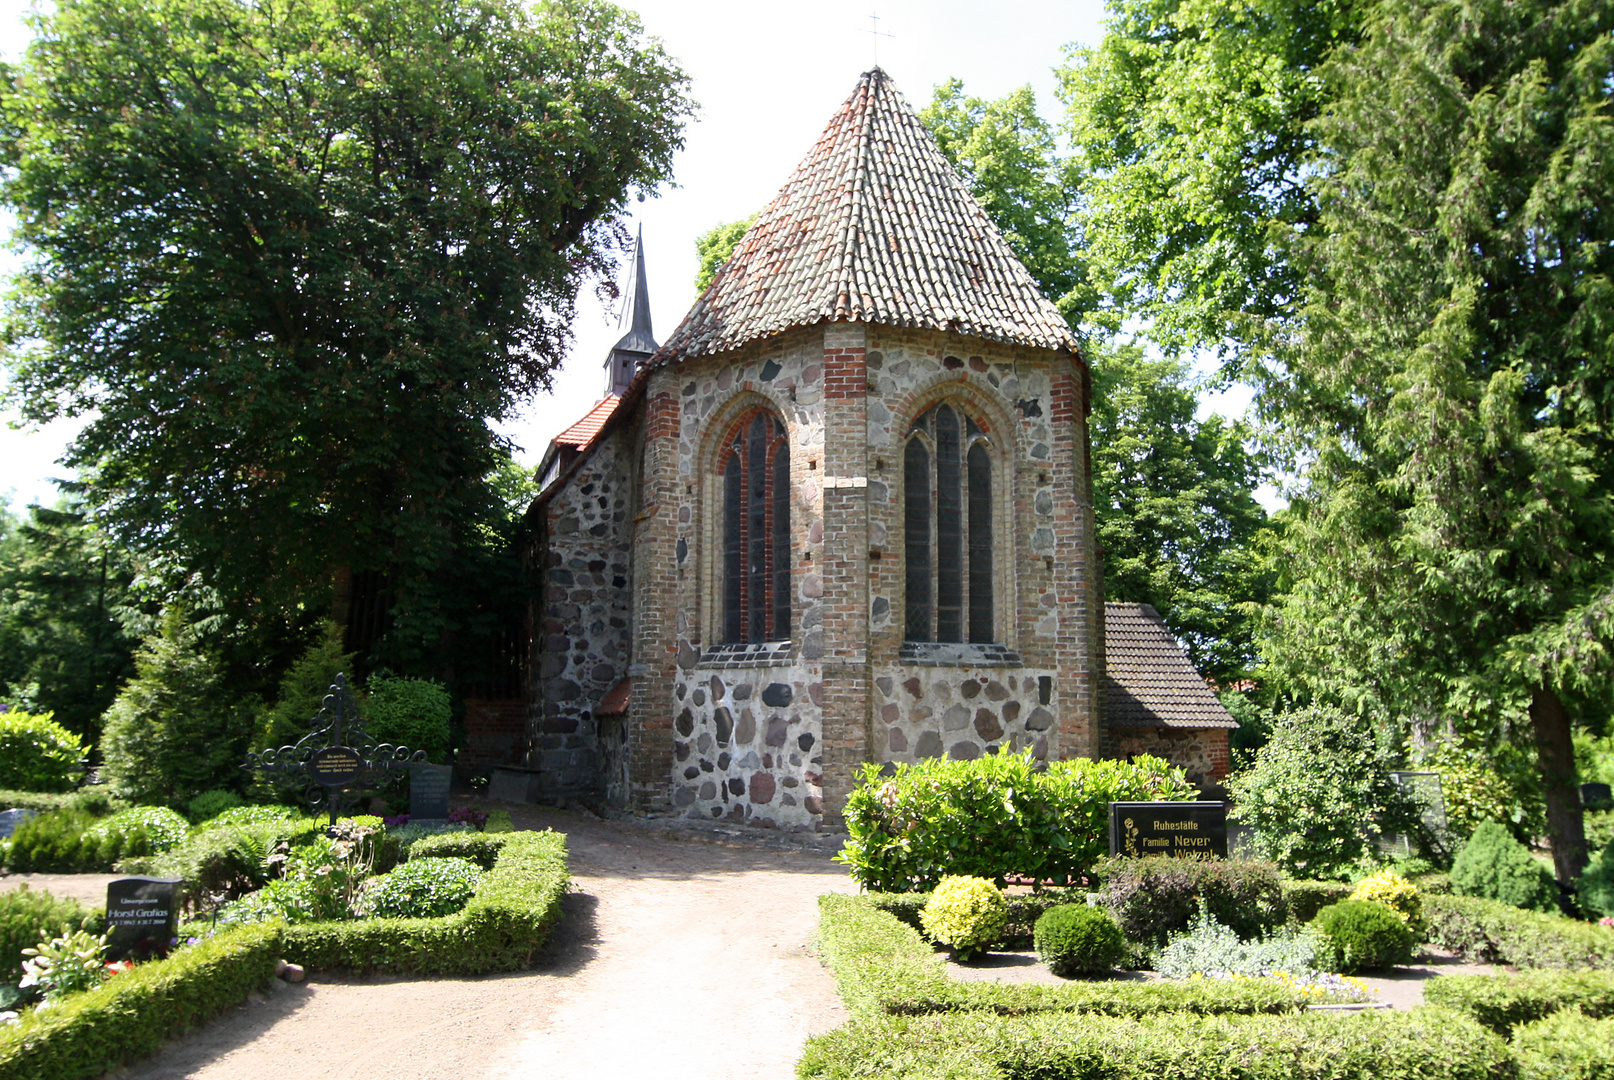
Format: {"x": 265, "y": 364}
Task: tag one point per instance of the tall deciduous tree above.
{"x": 292, "y": 257}
{"x": 1452, "y": 559}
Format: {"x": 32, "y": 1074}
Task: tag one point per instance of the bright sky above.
{"x": 767, "y": 77}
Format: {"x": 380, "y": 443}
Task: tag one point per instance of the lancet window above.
{"x": 754, "y": 464}
{"x": 947, "y": 505}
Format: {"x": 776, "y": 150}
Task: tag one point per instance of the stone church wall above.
{"x": 1202, "y": 754}
{"x": 962, "y": 713}
{"x": 583, "y": 620}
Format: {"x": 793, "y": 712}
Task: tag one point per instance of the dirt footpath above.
{"x": 678, "y": 957}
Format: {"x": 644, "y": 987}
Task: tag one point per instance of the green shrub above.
{"x": 290, "y": 899}
{"x": 300, "y": 696}
{"x": 499, "y": 821}
{"x": 420, "y": 889}
{"x": 210, "y": 804}
{"x": 217, "y": 864}
{"x": 1396, "y": 893}
{"x": 1565, "y": 1046}
{"x": 38, "y": 754}
{"x": 992, "y": 817}
{"x": 409, "y": 712}
{"x": 132, "y": 1015}
{"x": 883, "y": 967}
{"x": 1490, "y": 931}
{"x": 1363, "y": 935}
{"x": 1495, "y": 866}
{"x": 1422, "y": 1044}
{"x": 1504, "y": 1002}
{"x": 1156, "y": 897}
{"x": 1024, "y": 909}
{"x": 248, "y": 815}
{"x": 1078, "y": 939}
{"x": 1209, "y": 947}
{"x": 481, "y": 848}
{"x": 1305, "y": 899}
{"x": 69, "y": 963}
{"x": 174, "y": 730}
{"x": 49, "y": 843}
{"x": 507, "y": 921}
{"x": 965, "y": 913}
{"x": 92, "y": 800}
{"x": 1594, "y": 890}
{"x": 1320, "y": 778}
{"x": 27, "y": 916}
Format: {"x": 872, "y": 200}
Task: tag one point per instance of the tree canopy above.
{"x": 291, "y": 259}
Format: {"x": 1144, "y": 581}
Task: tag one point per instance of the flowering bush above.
{"x": 966, "y": 914}
{"x": 468, "y": 815}
{"x": 420, "y": 889}
{"x": 334, "y": 865}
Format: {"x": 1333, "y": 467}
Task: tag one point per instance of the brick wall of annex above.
{"x": 1203, "y": 754}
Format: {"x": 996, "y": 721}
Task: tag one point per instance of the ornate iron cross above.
{"x": 337, "y": 760}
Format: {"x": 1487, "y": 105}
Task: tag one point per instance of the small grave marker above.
{"x": 10, "y": 819}
{"x": 141, "y": 916}
{"x": 1596, "y": 796}
{"x": 428, "y": 792}
{"x": 1178, "y": 829}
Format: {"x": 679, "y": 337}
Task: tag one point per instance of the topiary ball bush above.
{"x": 1495, "y": 866}
{"x": 38, "y": 754}
{"x": 966, "y": 914}
{"x": 1362, "y": 935}
{"x": 421, "y": 889}
{"x": 1078, "y": 939}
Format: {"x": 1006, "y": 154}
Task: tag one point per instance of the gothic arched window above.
{"x": 947, "y": 504}
{"x": 754, "y": 462}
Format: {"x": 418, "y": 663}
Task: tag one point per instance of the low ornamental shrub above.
{"x": 1078, "y": 939}
{"x": 217, "y": 864}
{"x": 996, "y": 816}
{"x": 1305, "y": 899}
{"x": 38, "y": 754}
{"x": 1024, "y": 909}
{"x": 139, "y": 830}
{"x": 1396, "y": 893}
{"x": 1490, "y": 932}
{"x": 409, "y": 712}
{"x": 1362, "y": 935}
{"x": 285, "y": 898}
{"x": 420, "y": 889}
{"x": 1594, "y": 890}
{"x": 1420, "y": 1044}
{"x": 27, "y": 917}
{"x": 50, "y": 843}
{"x": 1156, "y": 897}
{"x": 1209, "y": 947}
{"x": 481, "y": 848}
{"x": 248, "y": 815}
{"x": 966, "y": 914}
{"x": 1495, "y": 866}
{"x": 1565, "y": 1046}
{"x": 92, "y": 800}
{"x": 210, "y": 804}
{"x": 1504, "y": 1002}
{"x": 131, "y": 1016}
{"x": 69, "y": 963}
{"x": 502, "y": 928}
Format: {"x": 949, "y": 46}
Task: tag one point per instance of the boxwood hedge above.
{"x": 508, "y": 920}
{"x": 1565, "y": 1046}
{"x": 1490, "y": 931}
{"x": 132, "y": 1014}
{"x": 1504, "y": 1002}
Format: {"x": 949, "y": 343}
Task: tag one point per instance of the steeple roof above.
{"x": 637, "y": 345}
{"x": 875, "y": 225}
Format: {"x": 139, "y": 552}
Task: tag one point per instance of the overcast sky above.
{"x": 767, "y": 78}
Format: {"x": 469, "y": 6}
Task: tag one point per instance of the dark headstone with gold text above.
{"x": 1176, "y": 829}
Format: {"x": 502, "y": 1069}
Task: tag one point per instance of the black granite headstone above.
{"x": 1596, "y": 796}
{"x": 1178, "y": 829}
{"x": 428, "y": 792}
{"x": 142, "y": 914}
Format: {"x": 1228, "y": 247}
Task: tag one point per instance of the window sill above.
{"x": 758, "y": 655}
{"x": 957, "y": 654}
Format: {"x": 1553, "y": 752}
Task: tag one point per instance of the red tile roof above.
{"x": 1148, "y": 681}
{"x": 874, "y": 226}
{"x": 615, "y": 703}
{"x": 582, "y": 433}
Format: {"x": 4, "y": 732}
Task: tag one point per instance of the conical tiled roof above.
{"x": 874, "y": 226}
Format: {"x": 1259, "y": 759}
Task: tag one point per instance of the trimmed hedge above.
{"x": 96, "y": 800}
{"x": 1024, "y": 911}
{"x": 507, "y": 921}
{"x": 1304, "y": 899}
{"x": 1565, "y": 1046}
{"x": 1491, "y": 931}
{"x": 1423, "y": 1044}
{"x": 1505, "y": 1002}
{"x": 131, "y": 1015}
{"x": 884, "y": 968}
{"x": 481, "y": 848}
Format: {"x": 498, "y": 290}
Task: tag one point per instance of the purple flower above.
{"x": 395, "y": 822}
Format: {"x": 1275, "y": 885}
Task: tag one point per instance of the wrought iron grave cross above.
{"x": 337, "y": 760}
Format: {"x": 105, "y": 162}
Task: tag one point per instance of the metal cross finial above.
{"x": 878, "y": 34}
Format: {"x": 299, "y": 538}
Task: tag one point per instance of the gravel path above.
{"x": 679, "y": 956}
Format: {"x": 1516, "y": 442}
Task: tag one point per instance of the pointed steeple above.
{"x": 638, "y": 343}
{"x": 874, "y": 226}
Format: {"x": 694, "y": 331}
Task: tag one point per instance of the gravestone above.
{"x": 510, "y": 784}
{"x": 142, "y": 914}
{"x": 1596, "y": 796}
{"x": 428, "y": 792}
{"x": 10, "y": 819}
{"x": 1178, "y": 829}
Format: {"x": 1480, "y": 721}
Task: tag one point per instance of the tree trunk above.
{"x": 1555, "y": 750}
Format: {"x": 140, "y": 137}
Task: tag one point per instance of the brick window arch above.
{"x": 947, "y": 528}
{"x": 754, "y": 464}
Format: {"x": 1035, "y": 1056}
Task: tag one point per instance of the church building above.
{"x": 842, "y": 515}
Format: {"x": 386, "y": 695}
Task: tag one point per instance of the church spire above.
{"x": 638, "y": 343}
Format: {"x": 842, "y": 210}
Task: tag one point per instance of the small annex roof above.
{"x": 874, "y": 226}
{"x": 582, "y": 433}
{"x": 1148, "y": 681}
